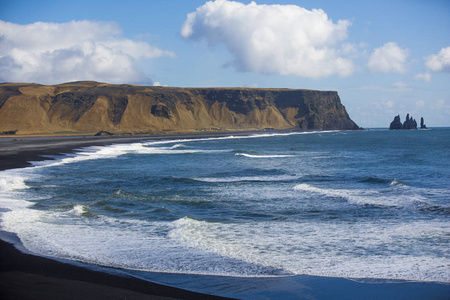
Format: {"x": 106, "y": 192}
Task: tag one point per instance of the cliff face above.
{"x": 92, "y": 106}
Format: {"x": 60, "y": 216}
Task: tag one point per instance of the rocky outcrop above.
{"x": 422, "y": 124}
{"x": 410, "y": 123}
{"x": 94, "y": 107}
{"x": 396, "y": 124}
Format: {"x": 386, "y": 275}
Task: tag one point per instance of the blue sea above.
{"x": 366, "y": 205}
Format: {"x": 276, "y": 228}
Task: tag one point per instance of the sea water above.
{"x": 353, "y": 204}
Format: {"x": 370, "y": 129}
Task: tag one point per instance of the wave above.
{"x": 177, "y": 146}
{"x": 12, "y": 182}
{"x": 365, "y": 197}
{"x": 232, "y": 137}
{"x": 263, "y": 156}
{"x": 80, "y": 210}
{"x": 362, "y": 250}
{"x": 391, "y": 182}
{"x": 113, "y": 151}
{"x": 368, "y": 249}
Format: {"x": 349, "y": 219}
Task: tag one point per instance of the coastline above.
{"x": 17, "y": 152}
{"x": 26, "y": 276}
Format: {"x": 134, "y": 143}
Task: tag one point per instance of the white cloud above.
{"x": 157, "y": 83}
{"x": 281, "y": 39}
{"x": 79, "y": 50}
{"x": 388, "y": 58}
{"x": 423, "y": 76}
{"x": 439, "y": 62}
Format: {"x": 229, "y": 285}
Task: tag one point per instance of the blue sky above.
{"x": 383, "y": 57}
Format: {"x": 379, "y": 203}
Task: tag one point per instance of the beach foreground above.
{"x": 26, "y": 276}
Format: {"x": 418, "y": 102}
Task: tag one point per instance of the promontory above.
{"x": 89, "y": 107}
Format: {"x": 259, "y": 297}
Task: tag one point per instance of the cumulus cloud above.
{"x": 79, "y": 50}
{"x": 388, "y": 58}
{"x": 281, "y": 39}
{"x": 439, "y": 62}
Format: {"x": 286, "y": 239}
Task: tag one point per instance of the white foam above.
{"x": 366, "y": 197}
{"x": 176, "y": 146}
{"x": 377, "y": 249}
{"x": 79, "y": 210}
{"x": 13, "y": 188}
{"x": 112, "y": 151}
{"x": 131, "y": 244}
{"x": 11, "y": 182}
{"x": 358, "y": 250}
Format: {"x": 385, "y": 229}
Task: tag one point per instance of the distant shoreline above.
{"x": 17, "y": 152}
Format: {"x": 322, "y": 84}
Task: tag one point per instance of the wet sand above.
{"x": 17, "y": 152}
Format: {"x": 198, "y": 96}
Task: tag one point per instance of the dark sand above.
{"x": 26, "y": 276}
{"x": 18, "y": 152}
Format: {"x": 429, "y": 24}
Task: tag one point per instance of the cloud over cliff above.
{"x": 78, "y": 50}
{"x": 281, "y": 39}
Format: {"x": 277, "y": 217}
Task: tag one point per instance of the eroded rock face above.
{"x": 93, "y": 107}
{"x": 161, "y": 110}
{"x": 422, "y": 124}
{"x": 410, "y": 123}
{"x": 396, "y": 124}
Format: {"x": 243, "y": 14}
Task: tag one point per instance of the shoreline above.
{"x": 17, "y": 152}
{"x": 24, "y": 275}
{"x": 28, "y": 276}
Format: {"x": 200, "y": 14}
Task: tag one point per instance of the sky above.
{"x": 384, "y": 57}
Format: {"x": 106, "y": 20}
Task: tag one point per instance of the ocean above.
{"x": 365, "y": 205}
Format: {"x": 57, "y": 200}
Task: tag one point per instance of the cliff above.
{"x": 89, "y": 107}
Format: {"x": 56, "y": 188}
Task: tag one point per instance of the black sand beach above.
{"x": 26, "y": 276}
{"x": 17, "y": 152}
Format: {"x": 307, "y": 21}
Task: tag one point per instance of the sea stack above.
{"x": 410, "y": 123}
{"x": 422, "y": 124}
{"x": 396, "y": 124}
